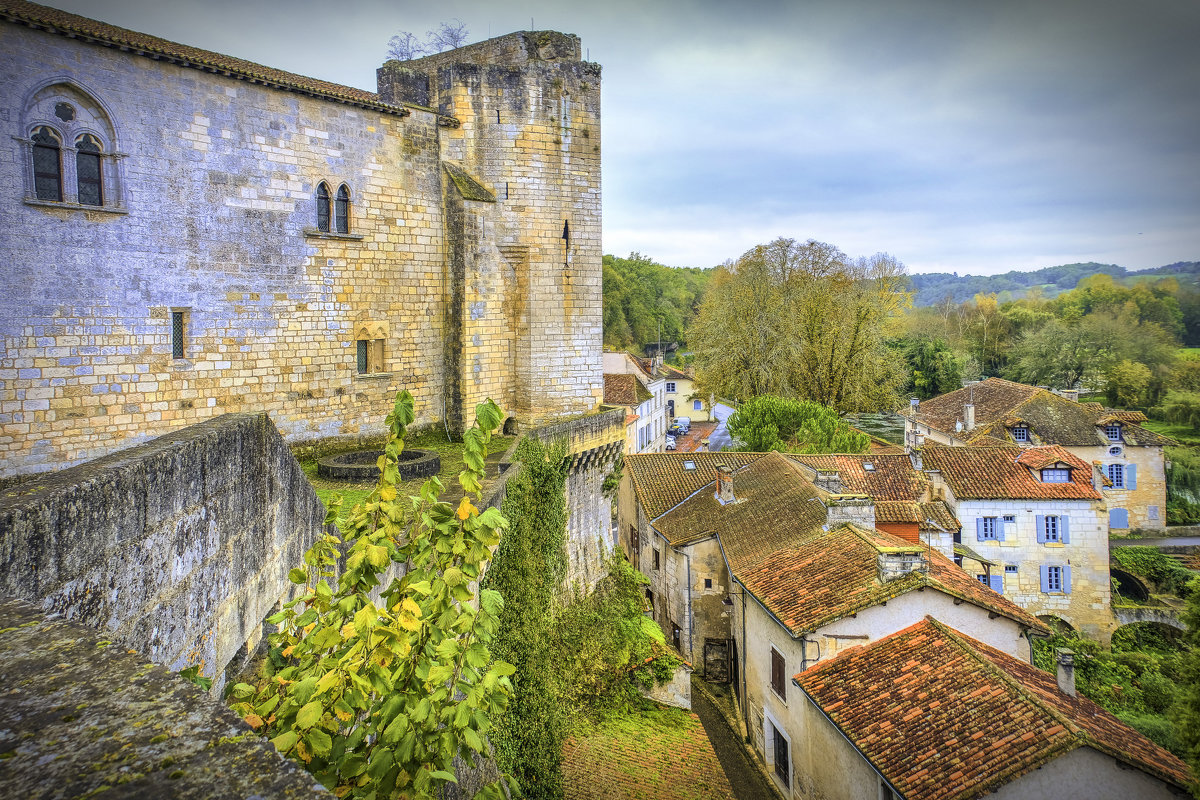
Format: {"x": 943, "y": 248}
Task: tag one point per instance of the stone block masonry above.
{"x": 210, "y": 219}
{"x": 180, "y": 547}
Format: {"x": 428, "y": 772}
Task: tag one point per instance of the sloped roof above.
{"x": 826, "y": 576}
{"x": 943, "y": 716}
{"x": 661, "y": 482}
{"x": 77, "y": 27}
{"x": 975, "y": 473}
{"x": 931, "y": 516}
{"x": 999, "y": 404}
{"x": 624, "y": 389}
{"x": 891, "y": 477}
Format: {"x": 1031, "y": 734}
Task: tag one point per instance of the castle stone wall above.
{"x": 180, "y": 547}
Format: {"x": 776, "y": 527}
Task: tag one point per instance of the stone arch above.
{"x": 1130, "y": 585}
{"x": 92, "y": 114}
{"x": 511, "y": 426}
{"x": 1057, "y": 624}
{"x": 1136, "y": 630}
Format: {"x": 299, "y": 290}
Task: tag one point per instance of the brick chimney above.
{"x": 969, "y": 416}
{"x": 1066, "y": 670}
{"x": 724, "y": 485}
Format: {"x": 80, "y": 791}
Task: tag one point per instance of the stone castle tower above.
{"x": 189, "y": 234}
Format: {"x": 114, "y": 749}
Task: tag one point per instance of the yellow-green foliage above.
{"x": 377, "y": 699}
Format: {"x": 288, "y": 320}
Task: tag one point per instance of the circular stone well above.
{"x": 360, "y": 465}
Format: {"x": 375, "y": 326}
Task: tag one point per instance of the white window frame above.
{"x": 670, "y": 387}
{"x": 1056, "y": 475}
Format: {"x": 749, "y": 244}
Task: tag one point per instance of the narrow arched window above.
{"x": 342, "y": 210}
{"x": 322, "y": 207}
{"x": 47, "y": 164}
{"x": 87, "y": 169}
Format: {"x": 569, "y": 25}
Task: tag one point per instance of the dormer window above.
{"x": 1113, "y": 432}
{"x": 1020, "y": 434}
{"x": 1056, "y": 475}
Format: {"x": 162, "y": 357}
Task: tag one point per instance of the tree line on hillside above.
{"x": 937, "y": 287}
{"x": 639, "y": 295}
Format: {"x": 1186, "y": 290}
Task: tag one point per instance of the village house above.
{"x": 649, "y": 392}
{"x": 997, "y": 411}
{"x": 683, "y": 400}
{"x": 1033, "y": 528}
{"x": 928, "y": 713}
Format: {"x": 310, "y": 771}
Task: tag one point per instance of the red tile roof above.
{"x": 77, "y": 27}
{"x": 942, "y": 716}
{"x": 661, "y": 481}
{"x": 995, "y": 473}
{"x": 622, "y": 389}
{"x": 1001, "y": 404}
{"x": 900, "y": 491}
{"x": 827, "y": 576}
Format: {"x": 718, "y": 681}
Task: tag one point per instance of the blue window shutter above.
{"x": 998, "y": 584}
{"x": 1044, "y": 572}
{"x": 1064, "y": 529}
{"x": 1118, "y": 518}
{"x": 1040, "y": 521}
{"x": 1131, "y": 476}
{"x": 979, "y": 529}
{"x": 1066, "y": 579}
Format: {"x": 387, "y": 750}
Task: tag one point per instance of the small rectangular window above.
{"x": 982, "y": 579}
{"x": 782, "y": 765}
{"x": 1020, "y": 434}
{"x": 177, "y": 333}
{"x": 1010, "y": 517}
{"x": 1056, "y": 476}
{"x": 670, "y": 387}
{"x": 1113, "y": 432}
{"x": 987, "y": 527}
{"x": 656, "y": 559}
{"x": 1054, "y": 579}
{"x": 1116, "y": 474}
{"x": 697, "y": 405}
{"x": 362, "y": 356}
{"x": 708, "y": 583}
{"x": 1010, "y": 569}
{"x": 1152, "y": 512}
{"x": 778, "y": 676}
{"x": 1052, "y": 529}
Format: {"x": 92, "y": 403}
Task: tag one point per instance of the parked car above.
{"x": 684, "y": 422}
{"x": 670, "y": 442}
{"x": 675, "y": 430}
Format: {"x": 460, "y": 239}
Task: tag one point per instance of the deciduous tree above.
{"x": 796, "y": 426}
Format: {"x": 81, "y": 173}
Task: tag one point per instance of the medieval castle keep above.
{"x": 188, "y": 234}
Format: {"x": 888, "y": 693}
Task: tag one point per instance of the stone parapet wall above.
{"x": 179, "y": 547}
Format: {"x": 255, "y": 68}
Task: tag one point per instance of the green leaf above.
{"x": 285, "y": 741}
{"x": 298, "y": 575}
{"x": 442, "y": 775}
{"x": 472, "y": 739}
{"x": 319, "y": 741}
{"x": 310, "y": 715}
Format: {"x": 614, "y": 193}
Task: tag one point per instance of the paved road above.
{"x": 720, "y": 439}
{"x": 744, "y": 776}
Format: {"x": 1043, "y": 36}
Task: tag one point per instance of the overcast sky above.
{"x": 973, "y": 136}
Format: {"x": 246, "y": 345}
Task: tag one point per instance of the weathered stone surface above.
{"x": 79, "y": 715}
{"x": 179, "y": 547}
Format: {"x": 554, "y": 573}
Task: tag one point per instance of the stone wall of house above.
{"x": 179, "y": 547}
{"x": 210, "y": 211}
{"x": 1146, "y": 504}
{"x": 1087, "y": 607}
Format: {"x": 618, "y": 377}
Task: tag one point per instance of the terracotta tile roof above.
{"x": 1001, "y": 404}
{"x": 624, "y": 390}
{"x": 675, "y": 373}
{"x": 932, "y": 516}
{"x": 891, "y": 476}
{"x": 77, "y": 27}
{"x": 994, "y": 473}
{"x": 826, "y": 576}
{"x": 663, "y": 755}
{"x": 942, "y": 716}
{"x": 661, "y": 482}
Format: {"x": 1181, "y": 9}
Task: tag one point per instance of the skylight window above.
{"x": 689, "y": 465}
{"x": 868, "y": 466}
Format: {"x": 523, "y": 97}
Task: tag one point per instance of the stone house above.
{"x": 190, "y": 234}
{"x": 996, "y": 411}
{"x": 650, "y": 408}
{"x": 998, "y": 726}
{"x": 1033, "y": 528}
{"x": 758, "y": 572}
{"x": 627, "y": 392}
{"x": 682, "y": 398}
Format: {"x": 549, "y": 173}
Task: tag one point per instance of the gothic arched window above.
{"x": 47, "y": 164}
{"x": 342, "y": 210}
{"x": 88, "y": 171}
{"x": 322, "y": 207}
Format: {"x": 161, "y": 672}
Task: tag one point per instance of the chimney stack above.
{"x": 1066, "y": 670}
{"x": 724, "y": 485}
{"x": 969, "y": 416}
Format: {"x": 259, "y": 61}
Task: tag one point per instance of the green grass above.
{"x": 431, "y": 439}
{"x": 1188, "y": 353}
{"x": 1184, "y": 434}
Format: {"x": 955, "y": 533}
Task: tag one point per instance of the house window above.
{"x": 987, "y": 528}
{"x": 656, "y": 559}
{"x": 708, "y": 583}
{"x": 778, "y": 678}
{"x": 697, "y": 405}
{"x": 1116, "y": 474}
{"x": 1056, "y": 475}
{"x": 1152, "y": 512}
{"x": 341, "y": 216}
{"x": 1052, "y": 530}
{"x": 780, "y": 748}
{"x": 323, "y": 207}
{"x": 633, "y": 539}
{"x": 1054, "y": 581}
{"x": 1113, "y": 432}
{"x": 369, "y": 354}
{"x": 1010, "y": 569}
{"x": 1020, "y": 433}
{"x": 177, "y": 334}
{"x": 670, "y": 387}
{"x": 47, "y": 164}
{"x": 982, "y": 579}
{"x": 676, "y": 637}
{"x": 87, "y": 170}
